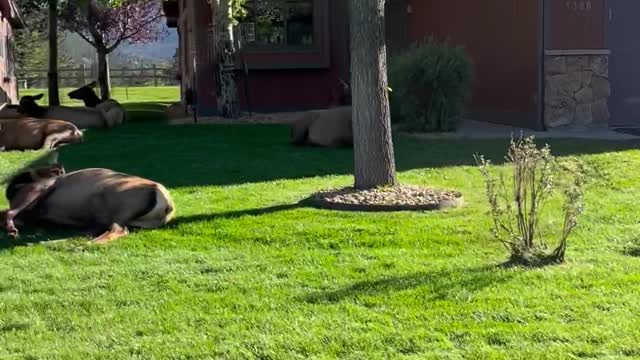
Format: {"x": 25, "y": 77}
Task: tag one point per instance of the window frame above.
{"x": 313, "y": 57}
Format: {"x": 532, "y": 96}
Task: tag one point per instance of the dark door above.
{"x": 624, "y": 102}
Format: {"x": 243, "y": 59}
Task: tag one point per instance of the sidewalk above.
{"x": 470, "y": 129}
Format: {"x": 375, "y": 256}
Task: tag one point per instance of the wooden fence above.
{"x": 119, "y": 77}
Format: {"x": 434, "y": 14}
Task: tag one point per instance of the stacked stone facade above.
{"x": 577, "y": 90}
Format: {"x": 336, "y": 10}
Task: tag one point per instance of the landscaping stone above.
{"x": 556, "y": 65}
{"x": 397, "y": 198}
{"x": 576, "y": 93}
{"x": 601, "y": 87}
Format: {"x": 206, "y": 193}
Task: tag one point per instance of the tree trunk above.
{"x": 54, "y": 97}
{"x": 225, "y": 50}
{"x": 374, "y": 163}
{"x": 103, "y": 74}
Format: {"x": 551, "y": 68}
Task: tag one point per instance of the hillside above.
{"x": 157, "y": 52}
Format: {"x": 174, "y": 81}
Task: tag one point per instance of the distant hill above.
{"x": 158, "y": 52}
{"x": 163, "y": 49}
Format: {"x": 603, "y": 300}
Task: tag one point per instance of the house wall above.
{"x": 8, "y": 83}
{"x": 503, "y": 39}
{"x": 576, "y": 65}
{"x": 307, "y": 87}
{"x": 277, "y": 81}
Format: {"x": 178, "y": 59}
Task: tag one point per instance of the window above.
{"x": 279, "y": 24}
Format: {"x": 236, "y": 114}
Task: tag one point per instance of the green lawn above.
{"x": 162, "y": 94}
{"x": 248, "y": 272}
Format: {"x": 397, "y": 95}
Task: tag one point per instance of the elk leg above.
{"x": 25, "y": 198}
{"x": 115, "y": 232}
{"x": 51, "y": 141}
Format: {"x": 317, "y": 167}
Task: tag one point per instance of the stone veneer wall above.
{"x": 577, "y": 90}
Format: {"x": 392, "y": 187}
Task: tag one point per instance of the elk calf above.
{"x": 97, "y": 199}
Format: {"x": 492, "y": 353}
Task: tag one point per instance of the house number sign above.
{"x": 578, "y": 5}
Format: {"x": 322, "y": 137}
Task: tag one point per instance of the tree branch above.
{"x": 86, "y": 38}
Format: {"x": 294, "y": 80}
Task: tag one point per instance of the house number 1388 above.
{"x": 581, "y": 5}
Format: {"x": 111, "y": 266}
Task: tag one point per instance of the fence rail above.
{"x": 122, "y": 77}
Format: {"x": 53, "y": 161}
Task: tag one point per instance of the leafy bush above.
{"x": 517, "y": 204}
{"x": 430, "y": 84}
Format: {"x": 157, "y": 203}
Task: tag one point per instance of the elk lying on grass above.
{"x": 34, "y": 134}
{"x": 9, "y": 111}
{"x": 327, "y": 128}
{"x": 114, "y": 112}
{"x": 83, "y": 118}
{"x": 98, "y": 200}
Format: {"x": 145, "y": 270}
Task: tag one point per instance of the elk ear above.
{"x": 38, "y": 97}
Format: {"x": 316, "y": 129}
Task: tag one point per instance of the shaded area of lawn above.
{"x": 248, "y": 271}
{"x": 190, "y": 155}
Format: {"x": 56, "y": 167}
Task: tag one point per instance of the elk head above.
{"x": 29, "y": 106}
{"x": 86, "y": 94}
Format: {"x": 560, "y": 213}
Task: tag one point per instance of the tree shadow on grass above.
{"x": 442, "y": 285}
{"x": 218, "y": 155}
{"x": 12, "y": 327}
{"x": 51, "y": 234}
{"x": 634, "y": 251}
{"x": 182, "y": 220}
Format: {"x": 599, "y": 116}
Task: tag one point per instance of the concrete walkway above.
{"x": 470, "y": 129}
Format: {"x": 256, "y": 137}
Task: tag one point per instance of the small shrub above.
{"x": 517, "y": 204}
{"x": 431, "y": 83}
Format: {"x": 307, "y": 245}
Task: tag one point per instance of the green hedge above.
{"x": 430, "y": 84}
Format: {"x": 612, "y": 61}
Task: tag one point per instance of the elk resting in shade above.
{"x": 326, "y": 128}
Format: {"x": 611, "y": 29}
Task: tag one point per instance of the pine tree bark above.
{"x": 54, "y": 97}
{"x": 374, "y": 163}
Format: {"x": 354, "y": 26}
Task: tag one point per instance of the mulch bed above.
{"x": 397, "y": 198}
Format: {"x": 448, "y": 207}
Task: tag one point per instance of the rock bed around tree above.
{"x": 397, "y": 198}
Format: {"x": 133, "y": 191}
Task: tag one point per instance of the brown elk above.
{"x": 100, "y": 200}
{"x": 330, "y": 127}
{"x": 325, "y": 128}
{"x": 35, "y": 134}
{"x": 83, "y": 118}
{"x": 113, "y": 111}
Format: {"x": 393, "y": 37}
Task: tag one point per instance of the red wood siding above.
{"x": 287, "y": 90}
{"x": 8, "y": 84}
{"x": 577, "y": 24}
{"x": 502, "y": 39}
{"x": 278, "y": 81}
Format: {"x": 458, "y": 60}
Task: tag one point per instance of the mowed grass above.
{"x": 248, "y": 271}
{"x": 160, "y": 94}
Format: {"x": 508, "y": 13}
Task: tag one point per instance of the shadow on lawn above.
{"x": 442, "y": 285}
{"x": 51, "y": 234}
{"x": 634, "y": 252}
{"x": 195, "y": 155}
{"x": 181, "y": 220}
